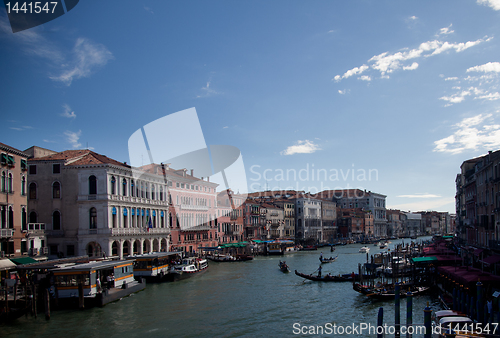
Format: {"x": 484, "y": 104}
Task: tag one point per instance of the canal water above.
{"x": 241, "y": 299}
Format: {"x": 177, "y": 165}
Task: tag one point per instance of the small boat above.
{"x": 383, "y": 294}
{"x": 190, "y": 266}
{"x": 364, "y": 249}
{"x": 284, "y": 267}
{"x": 328, "y": 260}
{"x": 309, "y": 248}
{"x": 326, "y": 278}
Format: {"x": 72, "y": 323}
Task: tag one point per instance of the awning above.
{"x": 424, "y": 259}
{"x": 477, "y": 252}
{"x": 492, "y": 259}
{"x": 6, "y": 264}
{"x": 23, "y": 260}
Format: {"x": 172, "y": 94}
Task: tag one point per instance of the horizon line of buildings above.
{"x": 78, "y": 202}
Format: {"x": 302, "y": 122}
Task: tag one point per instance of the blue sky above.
{"x": 399, "y": 93}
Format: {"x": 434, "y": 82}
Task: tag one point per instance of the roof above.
{"x": 93, "y": 266}
{"x": 80, "y": 157}
{"x": 5, "y": 147}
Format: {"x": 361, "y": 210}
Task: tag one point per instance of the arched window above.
{"x": 56, "y": 220}
{"x": 125, "y": 218}
{"x": 24, "y": 219}
{"x": 132, "y": 193}
{"x": 33, "y": 217}
{"x": 10, "y": 183}
{"x": 56, "y": 190}
{"x": 32, "y": 191}
{"x": 23, "y": 186}
{"x": 161, "y": 193}
{"x": 93, "y": 218}
{"x": 11, "y": 218}
{"x": 124, "y": 187}
{"x": 153, "y": 192}
{"x": 92, "y": 185}
{"x": 4, "y": 181}
{"x": 113, "y": 185}
{"x": 113, "y": 217}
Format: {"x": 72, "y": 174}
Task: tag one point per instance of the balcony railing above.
{"x": 194, "y": 207}
{"x": 38, "y": 251}
{"x": 6, "y": 233}
{"x": 131, "y": 199}
{"x": 34, "y": 228}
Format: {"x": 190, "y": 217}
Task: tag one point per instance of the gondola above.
{"x": 283, "y": 267}
{"x": 390, "y": 294}
{"x": 328, "y": 260}
{"x": 327, "y": 278}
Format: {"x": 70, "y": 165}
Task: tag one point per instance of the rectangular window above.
{"x": 24, "y": 246}
{"x": 24, "y": 164}
{"x": 3, "y": 158}
{"x": 53, "y": 250}
{"x": 56, "y": 168}
{"x": 32, "y": 169}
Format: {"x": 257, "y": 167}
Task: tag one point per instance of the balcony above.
{"x": 123, "y": 231}
{"x": 38, "y": 251}
{"x": 6, "y": 233}
{"x": 130, "y": 199}
{"x": 35, "y": 228}
{"x": 194, "y": 207}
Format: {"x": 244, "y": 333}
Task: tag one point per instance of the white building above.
{"x": 94, "y": 205}
{"x": 308, "y": 219}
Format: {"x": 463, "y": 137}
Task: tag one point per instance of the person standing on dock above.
{"x": 319, "y": 271}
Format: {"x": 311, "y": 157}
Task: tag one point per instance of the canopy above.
{"x": 424, "y": 259}
{"x": 6, "y": 264}
{"x": 492, "y": 259}
{"x": 23, "y": 260}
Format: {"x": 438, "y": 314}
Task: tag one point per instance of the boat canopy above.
{"x": 424, "y": 259}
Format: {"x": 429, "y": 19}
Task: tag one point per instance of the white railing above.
{"x": 131, "y": 199}
{"x": 194, "y": 207}
{"x": 6, "y": 233}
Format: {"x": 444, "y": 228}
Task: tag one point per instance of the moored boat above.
{"x": 326, "y": 278}
{"x": 190, "y": 266}
{"x": 154, "y": 267}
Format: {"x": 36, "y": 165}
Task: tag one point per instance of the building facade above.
{"x": 91, "y": 204}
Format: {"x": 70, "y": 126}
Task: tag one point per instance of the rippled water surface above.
{"x": 239, "y": 299}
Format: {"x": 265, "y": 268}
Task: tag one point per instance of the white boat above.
{"x": 364, "y": 249}
{"x": 190, "y": 266}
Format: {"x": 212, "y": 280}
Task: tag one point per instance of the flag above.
{"x": 150, "y": 224}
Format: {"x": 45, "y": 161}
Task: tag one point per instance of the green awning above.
{"x": 424, "y": 259}
{"x": 23, "y": 260}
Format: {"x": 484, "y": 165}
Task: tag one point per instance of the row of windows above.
{"x": 56, "y": 168}
{"x": 56, "y": 190}
{"x": 191, "y": 186}
{"x": 6, "y": 159}
{"x": 7, "y": 184}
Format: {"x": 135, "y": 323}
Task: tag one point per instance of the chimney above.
{"x": 192, "y": 171}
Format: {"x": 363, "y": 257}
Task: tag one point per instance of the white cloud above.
{"x": 490, "y": 96}
{"x": 86, "y": 56}
{"x": 225, "y": 127}
{"x": 456, "y": 98}
{"x": 73, "y": 138}
{"x": 365, "y": 78}
{"x": 342, "y": 92}
{"x": 454, "y": 78}
{"x": 420, "y": 196}
{"x": 68, "y": 112}
{"x": 413, "y": 66}
{"x": 351, "y": 72}
{"x": 495, "y": 4}
{"x": 486, "y": 68}
{"x": 446, "y": 30}
{"x": 207, "y": 91}
{"x": 147, "y": 9}
{"x": 413, "y": 17}
{"x": 387, "y": 63}
{"x": 301, "y": 147}
{"x": 471, "y": 133}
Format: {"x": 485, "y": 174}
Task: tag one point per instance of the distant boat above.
{"x": 328, "y": 260}
{"x": 364, "y": 249}
{"x": 326, "y": 278}
{"x": 283, "y": 267}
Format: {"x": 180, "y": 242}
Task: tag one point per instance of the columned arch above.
{"x": 156, "y": 245}
{"x": 93, "y": 249}
{"x": 146, "y": 246}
